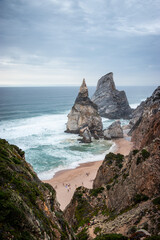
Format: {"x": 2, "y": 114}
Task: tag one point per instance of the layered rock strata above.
{"x": 111, "y": 103}
{"x": 84, "y": 113}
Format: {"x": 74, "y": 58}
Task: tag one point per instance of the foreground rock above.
{"x": 111, "y": 103}
{"x": 84, "y": 113}
{"x": 114, "y": 131}
{"x": 147, "y": 127}
{"x": 28, "y": 207}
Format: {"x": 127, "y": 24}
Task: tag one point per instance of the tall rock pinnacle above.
{"x": 111, "y": 103}
{"x": 84, "y": 113}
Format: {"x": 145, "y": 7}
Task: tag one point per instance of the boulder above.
{"x": 114, "y": 131}
{"x": 111, "y": 103}
{"x": 84, "y": 113}
{"x": 86, "y": 134}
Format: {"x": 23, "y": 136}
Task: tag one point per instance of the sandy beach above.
{"x": 65, "y": 182}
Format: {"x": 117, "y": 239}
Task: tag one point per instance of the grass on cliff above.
{"x": 22, "y": 198}
{"x": 110, "y": 158}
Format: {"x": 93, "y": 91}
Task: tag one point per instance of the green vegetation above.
{"x": 22, "y": 199}
{"x": 135, "y": 151}
{"x": 156, "y": 201}
{"x": 108, "y": 187}
{"x": 140, "y": 198}
{"x": 97, "y": 230}
{"x": 95, "y": 192}
{"x": 111, "y": 237}
{"x": 117, "y": 158}
{"x": 153, "y": 238}
{"x": 82, "y": 235}
{"x": 83, "y": 213}
{"x": 143, "y": 156}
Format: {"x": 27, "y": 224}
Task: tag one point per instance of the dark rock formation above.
{"x": 113, "y": 131}
{"x": 84, "y": 113}
{"x": 28, "y": 207}
{"x": 111, "y": 103}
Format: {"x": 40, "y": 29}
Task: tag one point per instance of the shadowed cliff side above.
{"x": 111, "y": 103}
{"x": 28, "y": 208}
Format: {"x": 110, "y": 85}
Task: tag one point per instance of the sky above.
{"x": 60, "y": 42}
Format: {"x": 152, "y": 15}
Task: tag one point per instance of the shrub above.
{"x": 139, "y": 198}
{"x": 135, "y": 151}
{"x": 97, "y": 230}
{"x": 145, "y": 154}
{"x": 95, "y": 192}
{"x": 156, "y": 201}
{"x": 82, "y": 235}
{"x": 118, "y": 158}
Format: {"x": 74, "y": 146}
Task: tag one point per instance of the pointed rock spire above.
{"x": 83, "y": 89}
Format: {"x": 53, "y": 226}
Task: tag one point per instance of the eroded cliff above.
{"x": 28, "y": 208}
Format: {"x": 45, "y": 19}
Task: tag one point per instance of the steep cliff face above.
{"x": 150, "y": 101}
{"x": 111, "y": 103}
{"x": 126, "y": 190}
{"x": 28, "y": 207}
{"x": 84, "y": 113}
{"x": 147, "y": 127}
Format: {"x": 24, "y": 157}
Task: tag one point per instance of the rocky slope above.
{"x": 147, "y": 126}
{"x": 126, "y": 190}
{"x": 28, "y": 208}
{"x": 111, "y": 103}
{"x": 84, "y": 113}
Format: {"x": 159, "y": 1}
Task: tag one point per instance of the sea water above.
{"x": 34, "y": 119}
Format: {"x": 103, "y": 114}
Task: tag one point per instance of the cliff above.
{"x": 84, "y": 113}
{"x": 111, "y": 103}
{"x": 28, "y": 207}
{"x": 126, "y": 191}
{"x": 147, "y": 126}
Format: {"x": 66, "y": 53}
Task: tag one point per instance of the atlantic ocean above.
{"x": 34, "y": 119}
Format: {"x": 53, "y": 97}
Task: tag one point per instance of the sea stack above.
{"x": 112, "y": 104}
{"x": 83, "y": 114}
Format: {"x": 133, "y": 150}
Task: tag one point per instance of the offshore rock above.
{"x": 114, "y": 131}
{"x": 111, "y": 103}
{"x": 84, "y": 113}
{"x": 86, "y": 134}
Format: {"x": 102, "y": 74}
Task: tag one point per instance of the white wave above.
{"x": 134, "y": 105}
{"x": 47, "y": 175}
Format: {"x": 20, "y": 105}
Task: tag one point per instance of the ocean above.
{"x": 34, "y": 118}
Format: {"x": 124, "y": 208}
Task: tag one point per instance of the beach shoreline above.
{"x": 66, "y": 181}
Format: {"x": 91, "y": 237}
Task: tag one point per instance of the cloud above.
{"x": 83, "y": 37}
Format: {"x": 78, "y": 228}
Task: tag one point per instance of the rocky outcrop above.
{"x": 111, "y": 103}
{"x": 113, "y": 131}
{"x": 147, "y": 127}
{"x": 85, "y": 133}
{"x": 84, "y": 113}
{"x": 28, "y": 207}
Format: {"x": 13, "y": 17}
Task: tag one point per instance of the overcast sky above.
{"x": 60, "y": 42}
